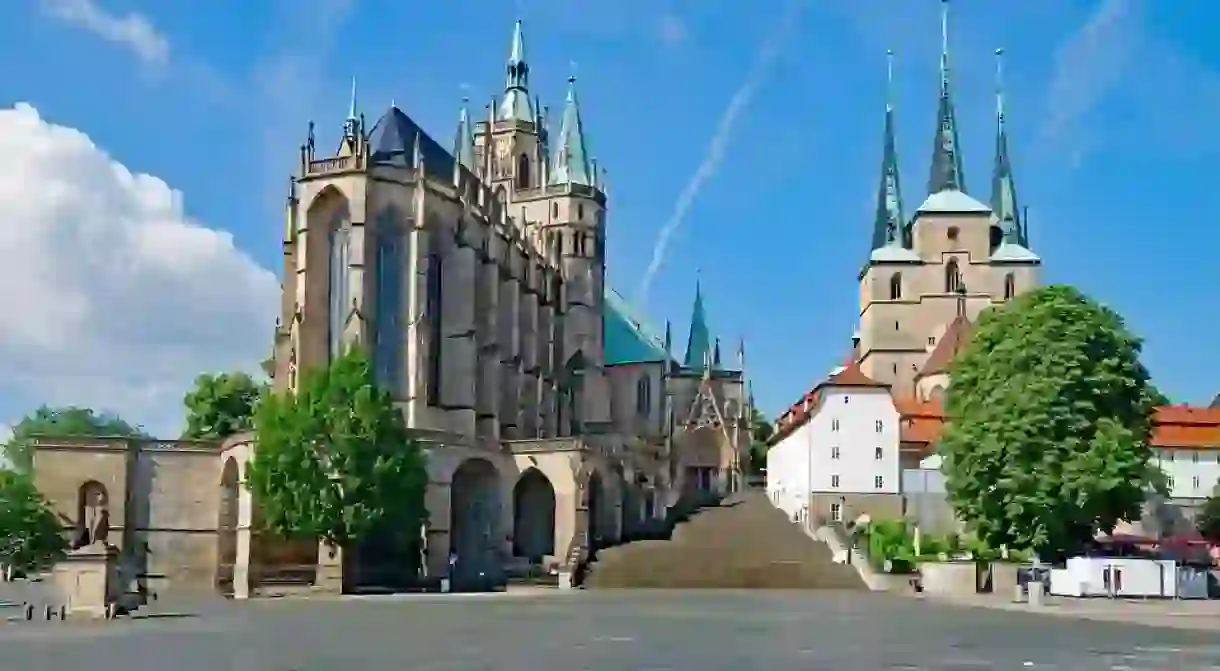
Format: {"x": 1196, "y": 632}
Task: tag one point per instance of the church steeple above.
{"x": 698, "y": 341}
{"x": 571, "y": 157}
{"x": 946, "y": 172}
{"x": 1003, "y": 183}
{"x": 516, "y": 104}
{"x": 889, "y": 222}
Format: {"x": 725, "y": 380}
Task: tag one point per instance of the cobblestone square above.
{"x": 604, "y": 631}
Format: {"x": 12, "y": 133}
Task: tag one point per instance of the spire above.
{"x": 516, "y": 104}
{"x": 352, "y": 122}
{"x": 698, "y": 342}
{"x": 463, "y": 141}
{"x": 669, "y": 337}
{"x": 716, "y": 354}
{"x": 887, "y": 227}
{"x": 571, "y": 158}
{"x": 1003, "y": 184}
{"x": 946, "y": 172}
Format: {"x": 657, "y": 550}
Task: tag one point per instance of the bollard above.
{"x": 1018, "y": 595}
{"x": 1035, "y": 594}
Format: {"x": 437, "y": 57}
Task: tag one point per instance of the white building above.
{"x": 841, "y": 459}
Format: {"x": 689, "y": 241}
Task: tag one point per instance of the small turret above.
{"x": 516, "y": 104}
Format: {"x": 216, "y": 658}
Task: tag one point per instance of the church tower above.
{"x": 510, "y": 147}
{"x": 954, "y": 257}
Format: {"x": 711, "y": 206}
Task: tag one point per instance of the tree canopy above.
{"x": 760, "y": 433}
{"x": 1049, "y": 412}
{"x": 62, "y": 423}
{"x": 334, "y": 460}
{"x": 31, "y": 537}
{"x": 1208, "y": 521}
{"x": 221, "y": 405}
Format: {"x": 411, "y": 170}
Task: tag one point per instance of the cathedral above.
{"x": 928, "y": 276}
{"x": 475, "y": 277}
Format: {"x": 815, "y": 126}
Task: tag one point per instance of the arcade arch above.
{"x": 474, "y": 526}
{"x": 533, "y": 516}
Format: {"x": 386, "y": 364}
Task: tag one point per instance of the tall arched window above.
{"x": 337, "y": 280}
{"x": 1010, "y": 286}
{"x": 643, "y": 395}
{"x": 953, "y": 278}
{"x": 895, "y": 286}
{"x": 432, "y": 312}
{"x": 523, "y": 171}
{"x": 390, "y": 261}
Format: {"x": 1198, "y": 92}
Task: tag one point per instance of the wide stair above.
{"x": 742, "y": 543}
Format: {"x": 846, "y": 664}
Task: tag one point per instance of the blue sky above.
{"x": 1112, "y": 107}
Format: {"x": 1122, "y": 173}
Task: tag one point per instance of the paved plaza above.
{"x": 602, "y": 631}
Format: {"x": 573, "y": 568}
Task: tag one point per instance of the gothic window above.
{"x": 435, "y": 334}
{"x": 390, "y": 266}
{"x": 574, "y": 373}
{"x": 580, "y": 211}
{"x": 895, "y": 286}
{"x": 523, "y": 171}
{"x": 953, "y": 278}
{"x": 337, "y": 282}
{"x": 996, "y": 237}
{"x": 643, "y": 395}
{"x": 1010, "y": 286}
{"x": 555, "y": 210}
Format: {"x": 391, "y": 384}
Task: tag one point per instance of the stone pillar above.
{"x": 530, "y": 366}
{"x": 459, "y": 354}
{"x": 487, "y": 390}
{"x": 329, "y": 577}
{"x": 245, "y": 515}
{"x": 508, "y": 336}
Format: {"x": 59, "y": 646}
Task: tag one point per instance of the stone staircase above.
{"x": 742, "y": 543}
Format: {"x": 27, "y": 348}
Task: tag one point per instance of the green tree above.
{"x": 1049, "y": 415}
{"x": 335, "y": 461}
{"x": 62, "y": 423}
{"x": 221, "y": 405}
{"x": 31, "y": 537}
{"x": 1208, "y": 521}
{"x": 761, "y": 432}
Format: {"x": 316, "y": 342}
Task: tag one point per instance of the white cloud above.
{"x": 133, "y": 31}
{"x": 1089, "y": 65}
{"x": 113, "y": 297}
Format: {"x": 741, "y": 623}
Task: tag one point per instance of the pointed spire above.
{"x": 571, "y": 157}
{"x": 351, "y": 123}
{"x": 698, "y": 341}
{"x": 887, "y": 227}
{"x": 669, "y": 337}
{"x": 716, "y": 354}
{"x": 516, "y": 104}
{"x": 463, "y": 142}
{"x": 946, "y": 173}
{"x": 1003, "y": 183}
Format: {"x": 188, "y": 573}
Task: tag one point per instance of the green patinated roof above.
{"x": 626, "y": 339}
{"x": 699, "y": 340}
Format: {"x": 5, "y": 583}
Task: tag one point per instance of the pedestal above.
{"x": 87, "y": 579}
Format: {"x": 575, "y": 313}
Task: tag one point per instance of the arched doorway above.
{"x": 474, "y": 526}
{"x": 226, "y": 556}
{"x": 533, "y": 516}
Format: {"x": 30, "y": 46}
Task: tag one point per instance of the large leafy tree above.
{"x": 221, "y": 405}
{"x": 62, "y": 423}
{"x": 334, "y": 460}
{"x": 31, "y": 537}
{"x": 1049, "y": 415}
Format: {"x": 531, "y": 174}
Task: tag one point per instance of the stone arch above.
{"x": 226, "y": 524}
{"x": 953, "y": 277}
{"x": 327, "y": 223}
{"x": 523, "y": 171}
{"x": 92, "y": 513}
{"x": 474, "y": 526}
{"x": 533, "y": 516}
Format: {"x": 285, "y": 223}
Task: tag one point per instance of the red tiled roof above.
{"x": 1172, "y": 425}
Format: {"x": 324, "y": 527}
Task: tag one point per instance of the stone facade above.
{"x": 554, "y": 421}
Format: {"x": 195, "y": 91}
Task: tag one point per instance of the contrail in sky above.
{"x": 712, "y": 156}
